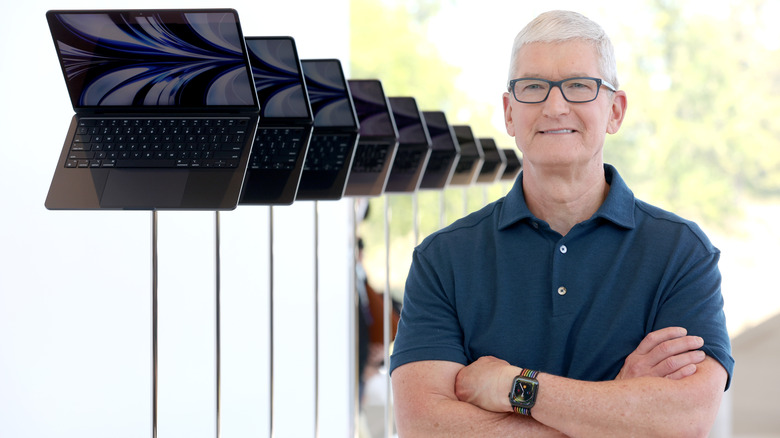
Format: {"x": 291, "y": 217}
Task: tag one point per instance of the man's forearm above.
{"x": 426, "y": 406}
{"x": 454, "y": 419}
{"x": 646, "y": 406}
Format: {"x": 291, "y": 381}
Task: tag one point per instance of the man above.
{"x": 567, "y": 308}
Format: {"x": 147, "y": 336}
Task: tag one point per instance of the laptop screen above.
{"x": 191, "y": 59}
{"x": 408, "y": 121}
{"x": 278, "y": 77}
{"x": 329, "y": 95}
{"x": 372, "y": 110}
{"x": 441, "y": 133}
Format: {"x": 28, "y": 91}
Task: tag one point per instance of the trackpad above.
{"x": 144, "y": 189}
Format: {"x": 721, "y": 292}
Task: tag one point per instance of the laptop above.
{"x": 165, "y": 109}
{"x": 471, "y": 157}
{"x": 513, "y": 165}
{"x": 285, "y": 126}
{"x": 378, "y": 141}
{"x": 414, "y": 146}
{"x": 445, "y": 152}
{"x": 336, "y": 131}
{"x": 494, "y": 163}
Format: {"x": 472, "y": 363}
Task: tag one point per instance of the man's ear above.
{"x": 508, "y": 121}
{"x": 619, "y": 105}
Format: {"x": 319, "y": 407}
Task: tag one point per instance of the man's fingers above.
{"x": 683, "y": 372}
{"x": 658, "y": 337}
{"x": 675, "y": 364}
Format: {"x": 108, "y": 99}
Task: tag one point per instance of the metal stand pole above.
{"x": 154, "y": 324}
{"x": 271, "y": 317}
{"x": 387, "y": 321}
{"x": 218, "y": 334}
{"x": 316, "y": 321}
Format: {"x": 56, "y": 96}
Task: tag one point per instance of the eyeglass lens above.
{"x": 574, "y": 90}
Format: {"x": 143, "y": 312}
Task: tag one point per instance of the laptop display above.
{"x": 494, "y": 163}
{"x": 378, "y": 139}
{"x": 513, "y": 165}
{"x": 165, "y": 109}
{"x": 471, "y": 157}
{"x": 445, "y": 152}
{"x": 414, "y": 146}
{"x": 335, "y": 131}
{"x": 286, "y": 122}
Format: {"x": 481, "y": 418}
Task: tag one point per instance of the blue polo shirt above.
{"x": 501, "y": 282}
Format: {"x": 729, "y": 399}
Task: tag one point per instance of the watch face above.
{"x": 524, "y": 392}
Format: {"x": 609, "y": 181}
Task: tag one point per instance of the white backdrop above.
{"x": 75, "y": 287}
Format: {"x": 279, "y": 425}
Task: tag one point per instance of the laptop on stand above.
{"x": 513, "y": 165}
{"x": 165, "y": 109}
{"x": 494, "y": 163}
{"x": 378, "y": 139}
{"x": 414, "y": 146}
{"x": 471, "y": 157}
{"x": 445, "y": 152}
{"x": 336, "y": 131}
{"x": 286, "y": 122}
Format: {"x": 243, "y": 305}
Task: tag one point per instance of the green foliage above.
{"x": 704, "y": 135}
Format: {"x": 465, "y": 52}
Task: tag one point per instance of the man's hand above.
{"x": 668, "y": 352}
{"x": 486, "y": 383}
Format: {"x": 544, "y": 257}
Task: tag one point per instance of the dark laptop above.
{"x": 414, "y": 146}
{"x": 165, "y": 109}
{"x": 286, "y": 122}
{"x": 378, "y": 139}
{"x": 445, "y": 153}
{"x": 513, "y": 165}
{"x": 494, "y": 163}
{"x": 335, "y": 135}
{"x": 471, "y": 157}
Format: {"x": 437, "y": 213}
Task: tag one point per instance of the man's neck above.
{"x": 564, "y": 198}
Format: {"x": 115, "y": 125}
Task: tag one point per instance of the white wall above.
{"x": 75, "y": 287}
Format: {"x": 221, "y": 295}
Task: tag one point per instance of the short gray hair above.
{"x": 560, "y": 26}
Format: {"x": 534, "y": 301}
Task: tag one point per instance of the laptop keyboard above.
{"x": 406, "y": 161}
{"x": 276, "y": 148}
{"x": 369, "y": 157}
{"x": 327, "y": 152}
{"x": 159, "y": 142}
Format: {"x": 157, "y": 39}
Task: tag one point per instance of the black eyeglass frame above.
{"x": 599, "y": 83}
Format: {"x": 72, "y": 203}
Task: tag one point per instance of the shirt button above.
{"x": 563, "y": 249}
{"x": 535, "y": 225}
{"x": 561, "y": 291}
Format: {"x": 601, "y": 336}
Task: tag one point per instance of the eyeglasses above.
{"x": 575, "y": 90}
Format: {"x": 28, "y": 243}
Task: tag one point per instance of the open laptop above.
{"x": 494, "y": 163}
{"x": 285, "y": 126}
{"x": 414, "y": 146}
{"x": 165, "y": 109}
{"x": 378, "y": 139}
{"x": 336, "y": 131}
{"x": 445, "y": 153}
{"x": 471, "y": 157}
{"x": 513, "y": 165}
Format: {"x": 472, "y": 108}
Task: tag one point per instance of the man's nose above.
{"x": 556, "y": 104}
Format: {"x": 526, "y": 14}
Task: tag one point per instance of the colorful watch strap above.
{"x": 525, "y": 373}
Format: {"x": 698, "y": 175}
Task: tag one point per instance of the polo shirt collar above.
{"x": 617, "y": 208}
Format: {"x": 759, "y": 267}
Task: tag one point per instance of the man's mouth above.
{"x": 559, "y": 131}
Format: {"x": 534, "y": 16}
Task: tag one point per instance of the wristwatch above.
{"x": 525, "y": 387}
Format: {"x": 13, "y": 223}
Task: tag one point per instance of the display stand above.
{"x": 217, "y": 325}
{"x": 154, "y": 324}
{"x": 271, "y": 320}
{"x": 387, "y": 321}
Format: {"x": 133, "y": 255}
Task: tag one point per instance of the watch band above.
{"x": 532, "y": 375}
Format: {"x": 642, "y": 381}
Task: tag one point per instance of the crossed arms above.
{"x": 667, "y": 387}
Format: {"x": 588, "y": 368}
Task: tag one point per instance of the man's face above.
{"x": 556, "y": 132}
